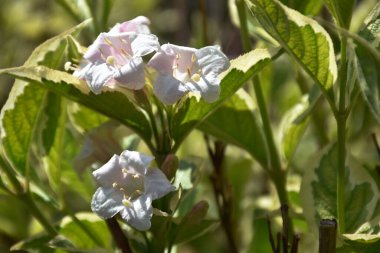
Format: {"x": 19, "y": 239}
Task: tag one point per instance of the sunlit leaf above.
{"x": 368, "y": 65}
{"x": 73, "y": 231}
{"x": 303, "y": 38}
{"x": 319, "y": 195}
{"x": 20, "y": 115}
{"x": 292, "y": 131}
{"x": 113, "y": 104}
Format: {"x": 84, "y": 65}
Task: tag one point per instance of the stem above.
{"x": 154, "y": 128}
{"x": 118, "y": 235}
{"x": 278, "y": 175}
{"x": 222, "y": 193}
{"x": 341, "y": 125}
{"x": 327, "y": 236}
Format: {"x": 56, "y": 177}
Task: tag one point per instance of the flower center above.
{"x": 190, "y": 73}
{"x": 133, "y": 188}
{"x": 120, "y": 55}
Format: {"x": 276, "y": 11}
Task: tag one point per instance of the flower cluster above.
{"x": 128, "y": 187}
{"x": 115, "y": 59}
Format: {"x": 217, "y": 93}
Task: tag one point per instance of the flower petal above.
{"x": 135, "y": 162}
{"x": 97, "y": 75}
{"x": 109, "y": 173}
{"x": 156, "y": 183}
{"x": 173, "y": 57}
{"x": 98, "y": 50}
{"x": 131, "y": 75}
{"x": 139, "y": 24}
{"x": 168, "y": 89}
{"x": 211, "y": 59}
{"x": 144, "y": 44}
{"x": 207, "y": 86}
{"x": 107, "y": 202}
{"x": 139, "y": 214}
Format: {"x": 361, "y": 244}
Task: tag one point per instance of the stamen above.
{"x": 114, "y": 185}
{"x": 125, "y": 52}
{"x": 125, "y": 171}
{"x": 110, "y": 60}
{"x": 126, "y": 202}
{"x": 177, "y": 56}
{"x": 70, "y": 66}
{"x": 102, "y": 54}
{"x": 196, "y": 77}
{"x": 136, "y": 176}
{"x": 108, "y": 41}
{"x": 189, "y": 72}
{"x": 193, "y": 58}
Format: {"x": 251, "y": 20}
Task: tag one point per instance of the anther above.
{"x": 196, "y": 77}
{"x": 68, "y": 66}
{"x": 110, "y": 60}
{"x": 107, "y": 41}
{"x": 126, "y": 203}
{"x": 136, "y": 176}
{"x": 193, "y": 58}
{"x": 114, "y": 185}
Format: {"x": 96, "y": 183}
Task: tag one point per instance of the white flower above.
{"x": 184, "y": 69}
{"x": 128, "y": 187}
{"x": 115, "y": 58}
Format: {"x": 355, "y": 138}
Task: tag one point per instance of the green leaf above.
{"x": 306, "y": 7}
{"x": 319, "y": 196}
{"x": 84, "y": 118}
{"x": 37, "y": 243}
{"x": 113, "y": 104}
{"x": 235, "y": 122}
{"x": 193, "y": 224}
{"x": 341, "y": 11}
{"x": 362, "y": 238}
{"x": 25, "y": 102}
{"x": 368, "y": 65}
{"x": 193, "y": 111}
{"x": 291, "y": 130}
{"x": 73, "y": 232}
{"x": 52, "y": 136}
{"x": 303, "y": 38}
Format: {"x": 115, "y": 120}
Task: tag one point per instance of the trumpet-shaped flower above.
{"x": 115, "y": 58}
{"x": 128, "y": 187}
{"x": 184, "y": 69}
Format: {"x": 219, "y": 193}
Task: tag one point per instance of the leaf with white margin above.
{"x": 235, "y": 122}
{"x": 302, "y": 37}
{"x": 319, "y": 196}
{"x": 193, "y": 111}
{"x": 20, "y": 115}
{"x": 111, "y": 103}
{"x": 291, "y": 131}
{"x": 367, "y": 64}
